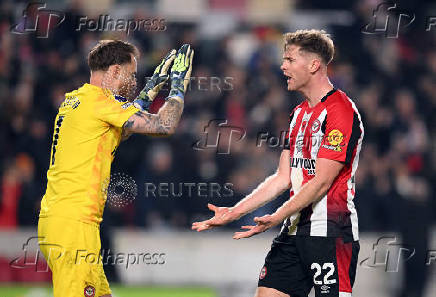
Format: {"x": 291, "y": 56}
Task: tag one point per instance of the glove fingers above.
{"x": 162, "y": 79}
{"x": 176, "y": 62}
{"x": 188, "y": 73}
{"x": 183, "y": 54}
{"x": 180, "y": 61}
{"x": 188, "y": 56}
{"x": 181, "y": 71}
{"x": 191, "y": 58}
{"x": 183, "y": 49}
{"x": 170, "y": 53}
{"x": 167, "y": 61}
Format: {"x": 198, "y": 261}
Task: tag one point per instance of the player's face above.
{"x": 295, "y": 68}
{"x": 127, "y": 79}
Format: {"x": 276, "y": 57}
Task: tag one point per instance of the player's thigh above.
{"x": 48, "y": 243}
{"x": 72, "y": 284}
{"x": 103, "y": 289}
{"x": 91, "y": 278}
{"x": 269, "y": 292}
{"x": 78, "y": 270}
{"x": 283, "y": 270}
{"x": 331, "y": 264}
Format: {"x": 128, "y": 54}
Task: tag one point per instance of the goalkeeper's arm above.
{"x": 166, "y": 120}
{"x": 162, "y": 123}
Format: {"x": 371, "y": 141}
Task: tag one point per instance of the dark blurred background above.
{"x": 238, "y": 43}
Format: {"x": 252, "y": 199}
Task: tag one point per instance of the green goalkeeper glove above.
{"x": 181, "y": 72}
{"x": 155, "y": 83}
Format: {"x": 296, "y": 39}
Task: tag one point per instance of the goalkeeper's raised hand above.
{"x": 155, "y": 83}
{"x": 181, "y": 72}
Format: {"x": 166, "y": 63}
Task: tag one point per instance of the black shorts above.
{"x": 295, "y": 264}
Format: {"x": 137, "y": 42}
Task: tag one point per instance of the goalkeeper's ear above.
{"x": 114, "y": 71}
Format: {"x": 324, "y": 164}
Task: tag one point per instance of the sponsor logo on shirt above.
{"x": 305, "y": 163}
{"x": 334, "y": 141}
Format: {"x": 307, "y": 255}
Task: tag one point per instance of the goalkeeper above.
{"x": 89, "y": 126}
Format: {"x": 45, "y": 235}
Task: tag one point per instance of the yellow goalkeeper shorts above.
{"x": 72, "y": 251}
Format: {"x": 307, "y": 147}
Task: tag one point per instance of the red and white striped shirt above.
{"x": 332, "y": 130}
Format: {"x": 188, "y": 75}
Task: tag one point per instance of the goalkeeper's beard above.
{"x": 126, "y": 87}
{"x": 127, "y": 90}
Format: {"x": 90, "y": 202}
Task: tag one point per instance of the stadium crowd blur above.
{"x": 392, "y": 81}
{"x": 237, "y": 79}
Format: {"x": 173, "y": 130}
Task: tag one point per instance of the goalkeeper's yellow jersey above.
{"x": 87, "y": 132}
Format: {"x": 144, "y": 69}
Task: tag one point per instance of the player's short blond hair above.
{"x": 313, "y": 41}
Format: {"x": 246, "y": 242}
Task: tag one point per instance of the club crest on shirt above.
{"x": 334, "y": 141}
{"x": 89, "y": 291}
{"x": 315, "y": 126}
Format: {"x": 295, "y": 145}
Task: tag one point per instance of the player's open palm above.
{"x": 263, "y": 223}
{"x": 223, "y": 215}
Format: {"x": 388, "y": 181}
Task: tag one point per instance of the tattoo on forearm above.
{"x": 128, "y": 124}
{"x": 169, "y": 114}
{"x": 164, "y": 122}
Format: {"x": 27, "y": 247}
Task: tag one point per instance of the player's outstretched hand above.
{"x": 181, "y": 72}
{"x": 263, "y": 223}
{"x": 156, "y": 82}
{"x": 223, "y": 215}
